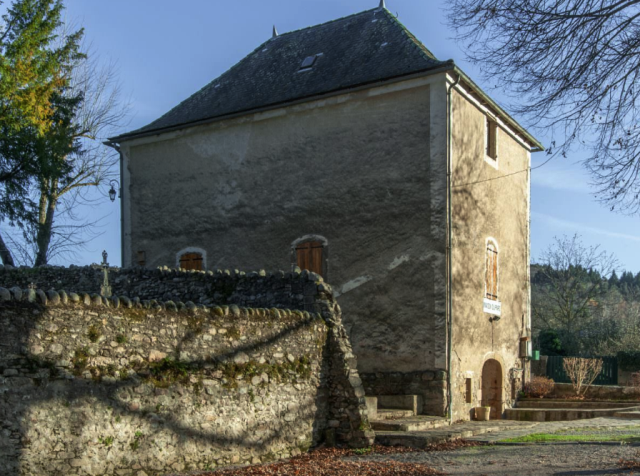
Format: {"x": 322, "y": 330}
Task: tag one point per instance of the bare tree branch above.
{"x": 575, "y": 63}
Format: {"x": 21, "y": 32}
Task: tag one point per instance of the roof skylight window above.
{"x": 308, "y": 62}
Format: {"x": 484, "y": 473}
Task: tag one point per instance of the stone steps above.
{"x": 562, "y": 414}
{"x": 396, "y": 419}
{"x": 422, "y": 439}
{"x": 631, "y": 415}
{"x": 554, "y": 404}
{"x": 410, "y": 423}
{"x": 393, "y": 414}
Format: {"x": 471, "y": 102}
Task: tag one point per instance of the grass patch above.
{"x": 80, "y": 360}
{"x": 94, "y": 334}
{"x": 168, "y": 371}
{"x": 363, "y": 451}
{"x": 594, "y": 429}
{"x": 554, "y": 437}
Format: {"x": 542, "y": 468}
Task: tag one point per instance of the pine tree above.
{"x": 35, "y": 65}
{"x": 614, "y": 280}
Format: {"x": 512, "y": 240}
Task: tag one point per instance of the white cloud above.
{"x": 576, "y": 227}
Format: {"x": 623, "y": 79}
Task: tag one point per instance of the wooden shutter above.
{"x": 310, "y": 256}
{"x": 191, "y": 261}
{"x": 491, "y": 279}
{"x": 492, "y": 139}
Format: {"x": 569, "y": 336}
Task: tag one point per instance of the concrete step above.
{"x": 561, "y": 414}
{"x": 572, "y": 404}
{"x": 414, "y": 423}
{"x": 631, "y": 415}
{"x": 392, "y": 414}
{"x": 422, "y": 439}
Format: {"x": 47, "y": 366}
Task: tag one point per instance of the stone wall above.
{"x": 292, "y": 290}
{"x": 128, "y": 386}
{"x": 73, "y": 278}
{"x": 597, "y": 392}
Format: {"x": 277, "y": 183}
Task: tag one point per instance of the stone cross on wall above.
{"x": 105, "y": 289}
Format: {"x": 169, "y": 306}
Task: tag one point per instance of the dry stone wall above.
{"x": 95, "y": 386}
{"x": 291, "y": 290}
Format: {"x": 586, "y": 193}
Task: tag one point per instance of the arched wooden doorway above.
{"x": 492, "y": 387}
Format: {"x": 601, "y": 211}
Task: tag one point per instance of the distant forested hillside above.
{"x": 578, "y": 311}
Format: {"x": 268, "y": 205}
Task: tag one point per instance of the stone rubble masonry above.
{"x": 291, "y": 290}
{"x": 130, "y": 386}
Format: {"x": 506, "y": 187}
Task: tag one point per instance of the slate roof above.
{"x": 362, "y": 48}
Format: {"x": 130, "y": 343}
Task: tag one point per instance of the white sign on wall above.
{"x": 491, "y": 307}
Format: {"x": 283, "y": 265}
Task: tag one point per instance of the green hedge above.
{"x": 629, "y": 361}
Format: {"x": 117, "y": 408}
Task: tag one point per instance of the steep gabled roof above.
{"x": 355, "y": 50}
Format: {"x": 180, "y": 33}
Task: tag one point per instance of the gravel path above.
{"x": 500, "y": 459}
{"x": 579, "y": 459}
{"x": 604, "y": 426}
{"x": 533, "y": 460}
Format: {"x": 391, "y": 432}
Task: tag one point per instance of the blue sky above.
{"x": 166, "y": 50}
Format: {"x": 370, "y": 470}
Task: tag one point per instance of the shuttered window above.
{"x": 191, "y": 261}
{"x": 310, "y": 256}
{"x": 492, "y": 139}
{"x": 491, "y": 280}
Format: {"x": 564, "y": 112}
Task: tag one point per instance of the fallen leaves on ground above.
{"x": 448, "y": 446}
{"x": 332, "y": 461}
{"x": 632, "y": 464}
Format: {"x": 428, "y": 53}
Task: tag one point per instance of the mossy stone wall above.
{"x": 131, "y": 387}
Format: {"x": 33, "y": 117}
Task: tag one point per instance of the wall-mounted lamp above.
{"x": 112, "y": 190}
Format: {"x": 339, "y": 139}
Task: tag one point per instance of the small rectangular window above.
{"x": 469, "y": 390}
{"x": 491, "y": 129}
{"x": 142, "y": 260}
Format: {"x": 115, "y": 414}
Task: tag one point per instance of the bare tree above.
{"x": 582, "y": 372}
{"x": 73, "y": 229}
{"x": 87, "y": 165}
{"x": 92, "y": 163}
{"x": 570, "y": 283}
{"x": 575, "y": 65}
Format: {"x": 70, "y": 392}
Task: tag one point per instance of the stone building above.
{"x": 348, "y": 149}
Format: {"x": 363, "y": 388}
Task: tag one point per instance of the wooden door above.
{"x": 191, "y": 261}
{"x": 310, "y": 256}
{"x": 492, "y": 387}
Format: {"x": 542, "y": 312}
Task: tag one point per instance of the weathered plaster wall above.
{"x": 486, "y": 202}
{"x": 356, "y": 169}
{"x": 102, "y": 387}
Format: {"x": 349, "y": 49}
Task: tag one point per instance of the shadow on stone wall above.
{"x": 159, "y": 408}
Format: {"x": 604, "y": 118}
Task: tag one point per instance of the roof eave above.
{"x": 446, "y": 66}
{"x": 535, "y": 144}
{"x": 442, "y": 68}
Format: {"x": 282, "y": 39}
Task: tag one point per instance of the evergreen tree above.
{"x": 35, "y": 66}
{"x": 614, "y": 280}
